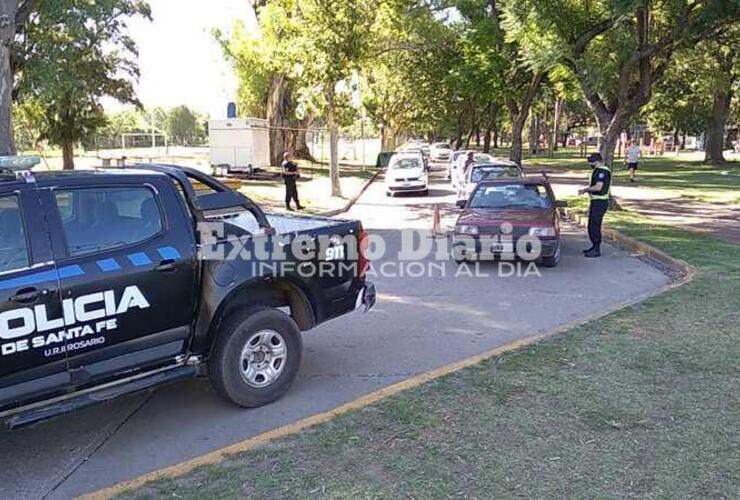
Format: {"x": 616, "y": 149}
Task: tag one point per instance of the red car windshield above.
{"x": 503, "y": 196}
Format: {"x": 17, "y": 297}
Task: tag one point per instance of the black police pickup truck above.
{"x": 117, "y": 280}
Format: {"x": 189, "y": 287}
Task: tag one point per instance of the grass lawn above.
{"x": 314, "y": 189}
{"x": 645, "y": 402}
{"x": 685, "y": 175}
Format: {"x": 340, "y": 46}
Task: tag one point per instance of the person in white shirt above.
{"x": 633, "y": 156}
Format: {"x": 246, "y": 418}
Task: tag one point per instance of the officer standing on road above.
{"x": 601, "y": 179}
{"x": 291, "y": 173}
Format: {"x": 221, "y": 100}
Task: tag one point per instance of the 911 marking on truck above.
{"x": 335, "y": 253}
{"x": 85, "y": 315}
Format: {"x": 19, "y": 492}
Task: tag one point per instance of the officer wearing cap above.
{"x": 598, "y": 190}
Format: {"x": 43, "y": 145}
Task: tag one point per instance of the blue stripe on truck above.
{"x": 139, "y": 259}
{"x": 169, "y": 253}
{"x": 44, "y": 276}
{"x": 108, "y": 265}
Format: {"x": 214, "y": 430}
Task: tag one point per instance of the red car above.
{"x": 500, "y": 213}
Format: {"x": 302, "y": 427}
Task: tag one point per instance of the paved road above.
{"x": 418, "y": 324}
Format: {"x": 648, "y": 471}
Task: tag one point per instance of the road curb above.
{"x": 683, "y": 273}
{"x": 353, "y": 200}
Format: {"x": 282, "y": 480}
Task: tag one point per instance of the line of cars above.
{"x": 500, "y": 204}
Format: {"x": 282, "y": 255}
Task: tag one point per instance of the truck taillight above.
{"x": 363, "y": 264}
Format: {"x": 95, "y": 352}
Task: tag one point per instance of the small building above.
{"x": 239, "y": 145}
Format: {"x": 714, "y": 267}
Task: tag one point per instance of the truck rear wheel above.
{"x": 256, "y": 357}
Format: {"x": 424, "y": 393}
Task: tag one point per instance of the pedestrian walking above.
{"x": 291, "y": 174}
{"x": 598, "y": 190}
{"x": 633, "y": 157}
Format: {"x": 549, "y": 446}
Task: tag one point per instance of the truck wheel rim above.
{"x": 263, "y": 358}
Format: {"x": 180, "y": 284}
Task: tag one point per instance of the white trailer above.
{"x": 239, "y": 145}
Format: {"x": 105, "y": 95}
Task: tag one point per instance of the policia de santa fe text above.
{"x": 598, "y": 190}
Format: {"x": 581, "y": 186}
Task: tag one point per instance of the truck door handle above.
{"x": 166, "y": 266}
{"x": 27, "y": 295}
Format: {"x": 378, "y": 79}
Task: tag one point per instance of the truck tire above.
{"x": 256, "y": 357}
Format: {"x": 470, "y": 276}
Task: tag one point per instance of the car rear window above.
{"x": 488, "y": 173}
{"x": 405, "y": 163}
{"x": 525, "y": 196}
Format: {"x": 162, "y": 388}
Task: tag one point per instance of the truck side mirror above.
{"x": 461, "y": 203}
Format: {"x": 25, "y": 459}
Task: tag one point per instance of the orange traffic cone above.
{"x": 436, "y": 222}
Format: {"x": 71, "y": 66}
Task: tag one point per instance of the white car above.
{"x": 406, "y": 173}
{"x": 440, "y": 151}
{"x": 486, "y": 171}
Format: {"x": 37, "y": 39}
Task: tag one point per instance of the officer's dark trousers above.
{"x": 596, "y": 212}
{"x": 291, "y": 192}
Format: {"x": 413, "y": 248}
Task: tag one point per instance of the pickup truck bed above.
{"x": 284, "y": 224}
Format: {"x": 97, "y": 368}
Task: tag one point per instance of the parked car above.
{"x": 406, "y": 173}
{"x": 485, "y": 171}
{"x": 529, "y": 205}
{"x": 440, "y": 151}
{"x": 108, "y": 285}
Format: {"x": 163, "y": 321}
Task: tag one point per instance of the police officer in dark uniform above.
{"x": 598, "y": 190}
{"x": 291, "y": 173}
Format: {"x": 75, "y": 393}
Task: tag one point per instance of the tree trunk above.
{"x": 300, "y": 145}
{"x": 716, "y": 127}
{"x": 610, "y": 133}
{"x": 336, "y": 187}
{"x": 518, "y": 114}
{"x": 556, "y": 124}
{"x": 533, "y": 134}
{"x": 469, "y": 139}
{"x": 278, "y": 103}
{"x": 487, "y": 140}
{"x": 515, "y": 154}
{"x": 68, "y": 156}
{"x": 7, "y": 34}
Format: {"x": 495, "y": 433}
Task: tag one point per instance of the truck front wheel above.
{"x": 256, "y": 357}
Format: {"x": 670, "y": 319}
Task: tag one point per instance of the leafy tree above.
{"x": 681, "y": 102}
{"x": 405, "y": 80}
{"x": 123, "y": 122}
{"x": 498, "y": 56}
{"x": 185, "y": 126}
{"x": 14, "y": 14}
{"x": 318, "y": 45}
{"x": 73, "y": 53}
{"x": 266, "y": 86}
{"x": 616, "y": 51}
{"x": 723, "y": 77}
